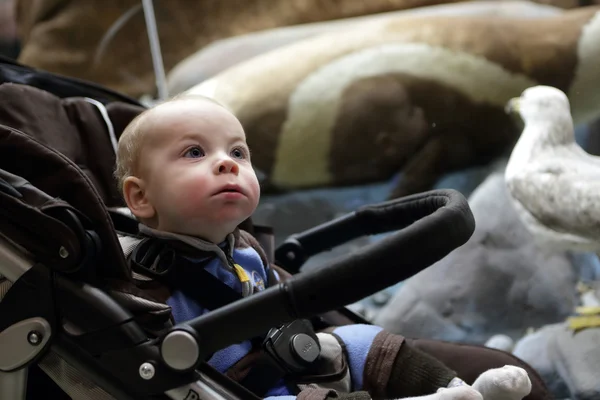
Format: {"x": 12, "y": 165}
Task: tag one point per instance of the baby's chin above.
{"x": 215, "y": 230}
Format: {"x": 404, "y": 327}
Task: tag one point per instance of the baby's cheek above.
{"x": 253, "y": 188}
{"x": 188, "y": 201}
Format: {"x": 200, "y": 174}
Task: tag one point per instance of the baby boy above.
{"x": 185, "y": 172}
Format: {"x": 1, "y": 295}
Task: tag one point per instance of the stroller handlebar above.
{"x": 435, "y": 223}
{"x": 372, "y": 219}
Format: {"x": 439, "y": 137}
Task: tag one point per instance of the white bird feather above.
{"x": 554, "y": 184}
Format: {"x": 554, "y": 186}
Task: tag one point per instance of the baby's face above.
{"x": 196, "y": 170}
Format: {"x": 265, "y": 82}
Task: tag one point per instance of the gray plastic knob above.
{"x": 305, "y": 348}
{"x": 179, "y": 350}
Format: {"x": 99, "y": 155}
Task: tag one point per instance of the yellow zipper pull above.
{"x": 241, "y": 273}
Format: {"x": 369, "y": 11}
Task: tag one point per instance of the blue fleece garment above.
{"x": 358, "y": 338}
{"x": 185, "y": 308}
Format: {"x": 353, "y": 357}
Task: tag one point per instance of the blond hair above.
{"x": 132, "y": 138}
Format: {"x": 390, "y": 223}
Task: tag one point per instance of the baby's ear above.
{"x": 135, "y": 196}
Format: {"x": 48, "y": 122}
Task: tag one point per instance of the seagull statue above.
{"x": 553, "y": 183}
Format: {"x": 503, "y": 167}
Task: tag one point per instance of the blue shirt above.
{"x": 358, "y": 338}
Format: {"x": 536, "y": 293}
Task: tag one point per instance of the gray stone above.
{"x": 500, "y": 342}
{"x": 577, "y": 360}
{"x": 499, "y": 282}
{"x": 534, "y": 349}
{"x": 568, "y": 362}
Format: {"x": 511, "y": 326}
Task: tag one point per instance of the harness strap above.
{"x": 157, "y": 259}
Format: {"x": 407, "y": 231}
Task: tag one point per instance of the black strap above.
{"x": 157, "y": 259}
{"x": 160, "y": 261}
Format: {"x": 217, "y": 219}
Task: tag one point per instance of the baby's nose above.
{"x": 227, "y": 166}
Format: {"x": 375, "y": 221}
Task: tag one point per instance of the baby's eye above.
{"x": 194, "y": 152}
{"x": 238, "y": 152}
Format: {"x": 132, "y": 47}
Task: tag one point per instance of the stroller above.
{"x": 69, "y": 303}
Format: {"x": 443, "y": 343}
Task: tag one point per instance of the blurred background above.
{"x": 394, "y": 132}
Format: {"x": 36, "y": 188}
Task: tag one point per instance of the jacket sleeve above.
{"x": 386, "y": 366}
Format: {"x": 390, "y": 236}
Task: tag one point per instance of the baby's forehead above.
{"x": 176, "y": 108}
{"x": 188, "y": 115}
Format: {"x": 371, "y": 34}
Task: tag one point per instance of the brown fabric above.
{"x": 24, "y": 155}
{"x": 469, "y": 361}
{"x": 380, "y": 362}
{"x": 247, "y": 240}
{"x": 395, "y": 369}
{"x": 26, "y": 217}
{"x": 266, "y": 238}
{"x": 153, "y": 315}
{"x": 121, "y": 114}
{"x": 72, "y": 127}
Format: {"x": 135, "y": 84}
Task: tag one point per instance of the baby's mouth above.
{"x": 230, "y": 189}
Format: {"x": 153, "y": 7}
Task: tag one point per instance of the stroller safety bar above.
{"x": 435, "y": 223}
{"x": 432, "y": 225}
{"x": 368, "y": 220}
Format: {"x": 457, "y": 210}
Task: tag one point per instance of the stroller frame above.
{"x": 49, "y": 288}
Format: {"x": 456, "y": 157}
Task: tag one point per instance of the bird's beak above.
{"x": 513, "y": 106}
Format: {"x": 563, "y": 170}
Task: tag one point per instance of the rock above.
{"x": 535, "y": 350}
{"x": 500, "y": 342}
{"x": 421, "y": 319}
{"x": 588, "y": 265}
{"x": 568, "y": 362}
{"x": 577, "y": 360}
{"x": 498, "y": 282}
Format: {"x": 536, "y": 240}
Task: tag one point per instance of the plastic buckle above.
{"x": 294, "y": 346}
